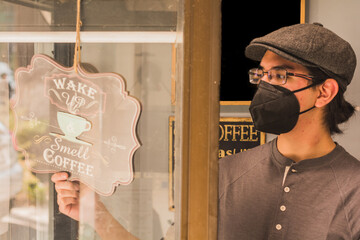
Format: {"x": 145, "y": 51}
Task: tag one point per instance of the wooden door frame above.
{"x": 200, "y": 119}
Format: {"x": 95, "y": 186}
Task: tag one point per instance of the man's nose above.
{"x": 266, "y": 77}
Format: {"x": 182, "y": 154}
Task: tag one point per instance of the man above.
{"x": 302, "y": 185}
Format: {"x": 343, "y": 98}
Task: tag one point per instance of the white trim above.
{"x": 89, "y": 37}
{"x": 287, "y": 168}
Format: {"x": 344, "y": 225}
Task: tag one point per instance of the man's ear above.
{"x": 327, "y": 91}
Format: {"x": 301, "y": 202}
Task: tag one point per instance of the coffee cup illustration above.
{"x": 73, "y": 126}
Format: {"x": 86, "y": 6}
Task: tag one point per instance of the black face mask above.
{"x": 275, "y": 109}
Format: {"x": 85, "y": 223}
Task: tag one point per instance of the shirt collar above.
{"x": 282, "y": 161}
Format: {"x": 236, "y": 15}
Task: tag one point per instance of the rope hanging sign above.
{"x": 77, "y": 54}
{"x": 67, "y": 119}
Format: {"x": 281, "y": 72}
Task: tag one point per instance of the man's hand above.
{"x": 68, "y": 195}
{"x": 72, "y": 194}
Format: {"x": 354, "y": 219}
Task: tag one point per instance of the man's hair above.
{"x": 338, "y": 110}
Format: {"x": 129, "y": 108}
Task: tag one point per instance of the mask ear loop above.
{"x": 304, "y": 88}
{"x": 301, "y": 89}
{"x": 307, "y": 110}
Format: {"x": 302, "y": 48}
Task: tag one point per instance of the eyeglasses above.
{"x": 276, "y": 76}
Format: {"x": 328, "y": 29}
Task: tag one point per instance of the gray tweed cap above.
{"x": 310, "y": 45}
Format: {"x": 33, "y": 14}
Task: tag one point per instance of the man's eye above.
{"x": 280, "y": 76}
{"x": 256, "y": 75}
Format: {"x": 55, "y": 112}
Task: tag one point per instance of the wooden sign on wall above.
{"x": 238, "y": 135}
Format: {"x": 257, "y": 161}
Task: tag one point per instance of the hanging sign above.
{"x": 75, "y": 121}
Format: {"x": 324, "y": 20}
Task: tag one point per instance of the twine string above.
{"x": 77, "y": 53}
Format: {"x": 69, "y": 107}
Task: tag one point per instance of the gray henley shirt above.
{"x": 264, "y": 195}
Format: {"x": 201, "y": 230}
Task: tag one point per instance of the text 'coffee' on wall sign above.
{"x": 237, "y": 135}
{"x": 79, "y": 122}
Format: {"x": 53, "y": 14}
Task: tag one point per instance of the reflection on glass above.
{"x": 141, "y": 208}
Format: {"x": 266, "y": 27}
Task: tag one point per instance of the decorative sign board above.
{"x": 79, "y": 122}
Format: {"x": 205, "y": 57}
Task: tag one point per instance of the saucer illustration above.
{"x": 72, "y": 126}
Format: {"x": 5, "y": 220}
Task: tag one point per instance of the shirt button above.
{"x": 278, "y": 226}
{"x": 282, "y": 208}
{"x": 286, "y": 189}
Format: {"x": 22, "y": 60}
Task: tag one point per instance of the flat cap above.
{"x": 310, "y": 45}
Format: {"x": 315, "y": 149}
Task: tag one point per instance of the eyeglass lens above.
{"x": 276, "y": 76}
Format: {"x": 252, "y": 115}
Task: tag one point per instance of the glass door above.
{"x": 135, "y": 39}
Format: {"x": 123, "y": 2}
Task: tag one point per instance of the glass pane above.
{"x": 97, "y": 15}
{"x": 25, "y": 210}
{"x": 142, "y": 207}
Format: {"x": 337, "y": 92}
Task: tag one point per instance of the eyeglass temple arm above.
{"x": 301, "y": 75}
